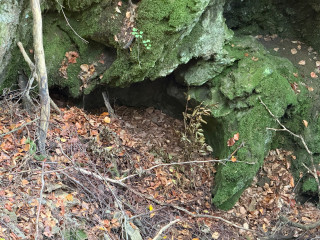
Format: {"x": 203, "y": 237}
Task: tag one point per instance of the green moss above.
{"x": 237, "y": 91}
{"x": 310, "y": 186}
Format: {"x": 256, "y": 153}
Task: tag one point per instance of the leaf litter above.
{"x": 117, "y": 148}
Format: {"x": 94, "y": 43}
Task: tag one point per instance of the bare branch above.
{"x": 40, "y": 201}
{"x": 32, "y": 68}
{"x": 164, "y": 228}
{"x": 314, "y": 170}
{"x": 65, "y": 17}
{"x": 223, "y": 161}
{"x": 18, "y": 128}
{"x": 89, "y": 173}
{"x": 305, "y": 227}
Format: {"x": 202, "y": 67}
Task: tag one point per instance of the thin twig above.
{"x": 314, "y": 171}
{"x": 305, "y": 227}
{"x": 223, "y": 161}
{"x": 34, "y": 74}
{"x": 40, "y": 201}
{"x": 107, "y": 104}
{"x": 65, "y": 17}
{"x": 284, "y": 127}
{"x": 18, "y": 128}
{"x": 164, "y": 228}
{"x": 148, "y": 213}
{"x": 120, "y": 183}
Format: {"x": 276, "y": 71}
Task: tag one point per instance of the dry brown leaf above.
{"x": 69, "y": 197}
{"x": 24, "y": 182}
{"x": 236, "y": 136}
{"x": 294, "y": 51}
{"x": 302, "y": 62}
{"x": 276, "y": 49}
{"x": 215, "y": 235}
{"x": 305, "y": 123}
{"x": 291, "y": 181}
{"x": 313, "y": 75}
{"x": 310, "y": 89}
{"x": 231, "y": 142}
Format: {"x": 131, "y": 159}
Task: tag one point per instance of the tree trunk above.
{"x": 40, "y": 65}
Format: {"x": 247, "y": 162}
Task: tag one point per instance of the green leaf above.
{"x": 134, "y": 29}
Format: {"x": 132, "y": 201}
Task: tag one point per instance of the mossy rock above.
{"x": 310, "y": 186}
{"x": 235, "y": 96}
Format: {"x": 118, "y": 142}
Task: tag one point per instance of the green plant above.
{"x": 193, "y": 137}
{"x": 33, "y": 150}
{"x": 146, "y": 42}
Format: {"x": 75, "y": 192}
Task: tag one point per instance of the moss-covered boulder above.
{"x": 9, "y": 20}
{"x": 176, "y": 31}
{"x": 235, "y": 96}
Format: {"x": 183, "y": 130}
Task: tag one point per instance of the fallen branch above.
{"x": 223, "y": 161}
{"x": 18, "y": 128}
{"x": 148, "y": 213}
{"x": 107, "y": 104}
{"x": 40, "y": 200}
{"x": 314, "y": 170}
{"x": 164, "y": 228}
{"x": 305, "y": 227}
{"x": 120, "y": 183}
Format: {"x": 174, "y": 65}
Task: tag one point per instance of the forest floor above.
{"x": 132, "y": 177}
{"x": 95, "y": 183}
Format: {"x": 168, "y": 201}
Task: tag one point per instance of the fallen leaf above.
{"x": 291, "y": 181}
{"x": 296, "y": 75}
{"x": 302, "y": 62}
{"x": 107, "y": 120}
{"x": 231, "y": 142}
{"x": 292, "y": 203}
{"x": 246, "y": 54}
{"x": 119, "y": 3}
{"x": 294, "y": 51}
{"x": 305, "y": 123}
{"x": 215, "y": 235}
{"x": 63, "y": 140}
{"x": 24, "y": 182}
{"x": 295, "y": 87}
{"x": 299, "y": 47}
{"x": 313, "y": 75}
{"x": 150, "y": 207}
{"x": 310, "y": 89}
{"x": 318, "y": 63}
{"x": 264, "y": 227}
{"x": 117, "y": 10}
{"x": 233, "y": 159}
{"x": 254, "y": 59}
{"x": 69, "y": 197}
{"x": 276, "y": 49}
{"x": 236, "y": 136}
{"x": 128, "y": 14}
